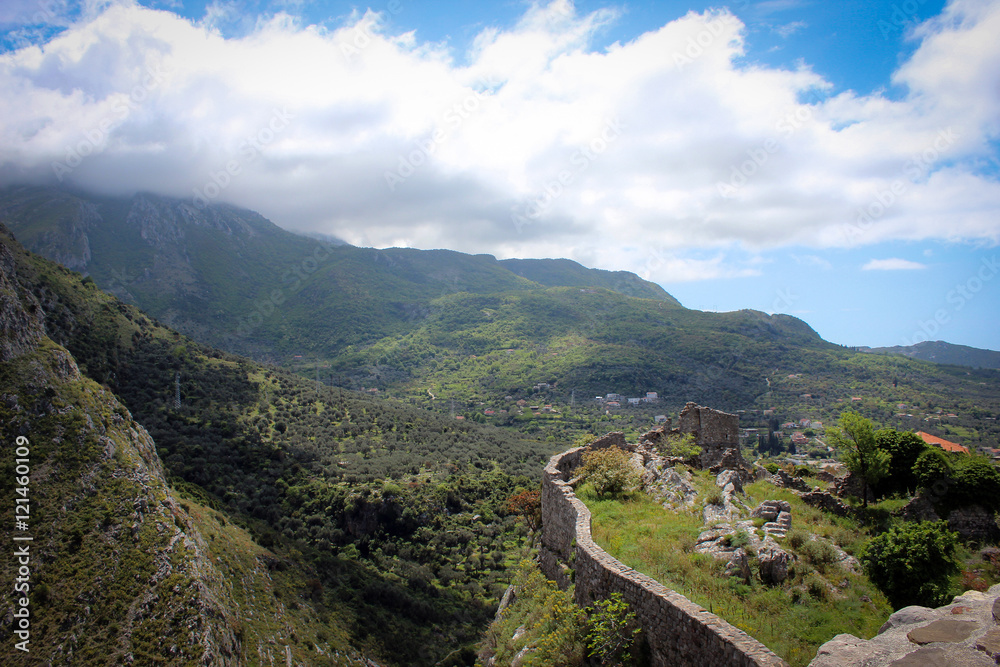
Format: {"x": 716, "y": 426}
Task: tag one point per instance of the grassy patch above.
{"x": 813, "y": 605}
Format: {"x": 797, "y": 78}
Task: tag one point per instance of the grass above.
{"x": 793, "y": 619}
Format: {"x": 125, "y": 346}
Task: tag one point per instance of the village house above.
{"x": 946, "y": 445}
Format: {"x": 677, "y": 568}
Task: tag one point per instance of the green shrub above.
{"x": 610, "y": 471}
{"x": 796, "y": 537}
{"x": 977, "y": 482}
{"x": 912, "y": 563}
{"x": 818, "y": 553}
{"x": 772, "y": 468}
{"x": 714, "y": 497}
{"x": 932, "y": 467}
{"x": 553, "y": 625}
{"x": 816, "y": 586}
{"x": 613, "y": 630}
{"x": 679, "y": 445}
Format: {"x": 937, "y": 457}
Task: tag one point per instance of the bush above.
{"x": 613, "y": 630}
{"x": 772, "y": 468}
{"x": 610, "y": 472}
{"x": 912, "y": 563}
{"x": 714, "y": 497}
{"x": 679, "y": 445}
{"x": 796, "y": 537}
{"x": 551, "y": 623}
{"x": 977, "y": 482}
{"x": 932, "y": 467}
{"x": 819, "y": 554}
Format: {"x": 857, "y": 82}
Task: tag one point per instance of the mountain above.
{"x": 332, "y": 522}
{"x": 462, "y": 333}
{"x": 567, "y": 273}
{"x": 941, "y": 352}
{"x": 235, "y": 280}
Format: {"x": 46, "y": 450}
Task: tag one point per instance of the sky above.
{"x": 836, "y": 161}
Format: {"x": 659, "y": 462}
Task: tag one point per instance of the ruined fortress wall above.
{"x": 678, "y": 632}
{"x": 710, "y": 427}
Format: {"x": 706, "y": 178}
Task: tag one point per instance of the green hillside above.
{"x": 113, "y": 567}
{"x": 460, "y": 333}
{"x": 235, "y": 280}
{"x": 396, "y": 519}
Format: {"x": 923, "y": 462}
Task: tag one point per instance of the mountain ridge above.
{"x": 221, "y": 273}
{"x": 942, "y": 352}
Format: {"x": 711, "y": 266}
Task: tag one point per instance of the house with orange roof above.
{"x": 942, "y": 443}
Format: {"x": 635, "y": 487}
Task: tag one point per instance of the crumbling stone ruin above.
{"x": 677, "y": 631}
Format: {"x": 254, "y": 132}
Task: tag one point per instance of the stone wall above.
{"x": 678, "y": 632}
{"x": 710, "y": 427}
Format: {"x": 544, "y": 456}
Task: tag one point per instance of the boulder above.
{"x": 729, "y": 481}
{"x": 773, "y": 565}
{"x": 826, "y": 502}
{"x": 908, "y": 616}
{"x": 739, "y": 565}
{"x": 786, "y": 481}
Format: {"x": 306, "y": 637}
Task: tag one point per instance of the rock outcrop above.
{"x": 965, "y": 633}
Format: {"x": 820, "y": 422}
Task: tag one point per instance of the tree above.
{"x": 904, "y": 448}
{"x": 855, "y": 437}
{"x": 527, "y": 504}
{"x": 977, "y": 482}
{"x": 912, "y": 563}
{"x": 932, "y": 470}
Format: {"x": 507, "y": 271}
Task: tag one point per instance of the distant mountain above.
{"x": 231, "y": 278}
{"x": 567, "y": 273}
{"x": 449, "y": 330}
{"x": 941, "y": 352}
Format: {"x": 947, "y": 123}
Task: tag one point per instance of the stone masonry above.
{"x": 678, "y": 632}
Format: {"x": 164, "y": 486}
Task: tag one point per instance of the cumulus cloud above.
{"x": 892, "y": 264}
{"x": 534, "y": 143}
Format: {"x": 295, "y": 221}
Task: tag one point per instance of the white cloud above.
{"x": 535, "y": 145}
{"x": 892, "y": 264}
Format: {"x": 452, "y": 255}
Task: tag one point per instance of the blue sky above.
{"x": 832, "y": 160}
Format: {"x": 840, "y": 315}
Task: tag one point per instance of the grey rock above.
{"x": 908, "y": 616}
{"x": 773, "y": 565}
{"x": 943, "y": 631}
